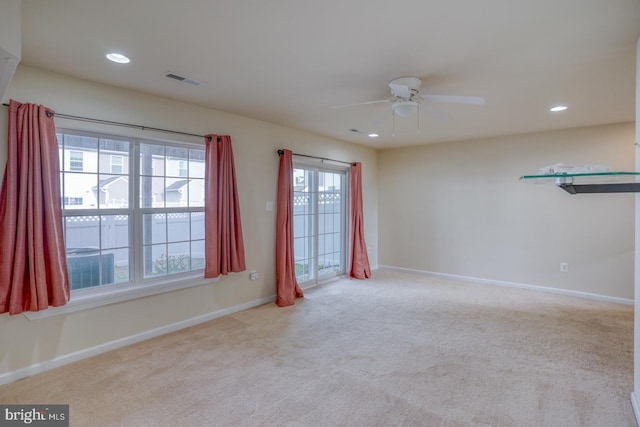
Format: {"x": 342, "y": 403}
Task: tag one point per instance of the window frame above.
{"x": 138, "y": 286}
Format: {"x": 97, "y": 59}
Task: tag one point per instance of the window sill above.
{"x": 113, "y": 294}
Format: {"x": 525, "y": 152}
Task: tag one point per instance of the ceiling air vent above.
{"x": 183, "y": 79}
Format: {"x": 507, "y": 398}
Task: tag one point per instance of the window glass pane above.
{"x": 328, "y": 243}
{"x": 152, "y": 193}
{"x": 151, "y": 159}
{"x": 113, "y": 192}
{"x": 321, "y": 265}
{"x": 115, "y": 231}
{"x": 154, "y": 228}
{"x": 79, "y": 190}
{"x": 89, "y": 266}
{"x": 179, "y": 258}
{"x": 196, "y": 192}
{"x": 176, "y": 160}
{"x": 155, "y": 260}
{"x": 76, "y": 160}
{"x": 121, "y": 273}
{"x": 82, "y": 233}
{"x": 183, "y": 168}
{"x": 84, "y": 269}
{"x": 197, "y": 225}
{"x": 197, "y": 255}
{"x": 113, "y": 153}
{"x": 337, "y": 242}
{"x": 178, "y": 225}
{"x": 80, "y": 141}
{"x": 80, "y": 153}
{"x": 196, "y": 163}
{"x": 177, "y": 192}
{"x": 116, "y": 164}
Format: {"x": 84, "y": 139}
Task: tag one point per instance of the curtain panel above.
{"x": 33, "y": 268}
{"x": 224, "y": 244}
{"x": 360, "y": 268}
{"x": 287, "y": 288}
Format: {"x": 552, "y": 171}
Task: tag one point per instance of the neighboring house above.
{"x": 185, "y": 192}
{"x": 84, "y": 164}
{"x": 112, "y": 192}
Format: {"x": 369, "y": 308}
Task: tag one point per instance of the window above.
{"x": 76, "y": 160}
{"x": 72, "y": 200}
{"x": 182, "y": 168}
{"x": 130, "y": 217}
{"x": 116, "y": 164}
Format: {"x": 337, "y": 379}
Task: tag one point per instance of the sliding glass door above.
{"x": 319, "y": 227}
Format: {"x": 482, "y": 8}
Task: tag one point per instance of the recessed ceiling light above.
{"x": 373, "y": 135}
{"x": 117, "y": 57}
{"x": 558, "y": 108}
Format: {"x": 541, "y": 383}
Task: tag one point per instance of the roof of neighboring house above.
{"x": 177, "y": 185}
{"x": 108, "y": 181}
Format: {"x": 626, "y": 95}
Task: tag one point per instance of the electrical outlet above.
{"x": 253, "y": 275}
{"x": 564, "y": 267}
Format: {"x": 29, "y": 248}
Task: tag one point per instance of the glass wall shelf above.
{"x": 592, "y": 182}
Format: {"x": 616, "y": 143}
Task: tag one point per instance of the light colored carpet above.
{"x": 396, "y": 350}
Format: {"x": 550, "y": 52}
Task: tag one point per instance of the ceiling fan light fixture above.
{"x": 405, "y": 108}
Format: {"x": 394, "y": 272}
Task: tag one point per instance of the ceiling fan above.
{"x": 407, "y": 99}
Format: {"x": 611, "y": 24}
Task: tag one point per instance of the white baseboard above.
{"x": 37, "y": 368}
{"x": 578, "y": 294}
{"x": 636, "y": 407}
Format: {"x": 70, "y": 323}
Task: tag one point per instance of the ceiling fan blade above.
{"x": 475, "y": 100}
{"x": 434, "y": 112}
{"x": 361, "y": 103}
{"x": 401, "y": 91}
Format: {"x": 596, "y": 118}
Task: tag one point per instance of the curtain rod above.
{"x": 129, "y": 125}
{"x": 280, "y": 152}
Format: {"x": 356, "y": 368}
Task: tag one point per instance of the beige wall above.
{"x": 255, "y": 143}
{"x": 458, "y": 208}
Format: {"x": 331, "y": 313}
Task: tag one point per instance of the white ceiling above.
{"x": 289, "y": 61}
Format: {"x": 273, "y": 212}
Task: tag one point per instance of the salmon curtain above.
{"x": 360, "y": 268}
{"x": 224, "y": 245}
{"x": 286, "y": 284}
{"x": 33, "y": 267}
